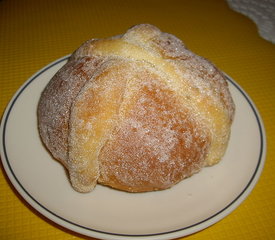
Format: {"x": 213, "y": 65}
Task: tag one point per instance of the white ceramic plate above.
{"x": 188, "y": 207}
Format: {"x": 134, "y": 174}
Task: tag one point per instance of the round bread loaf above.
{"x": 137, "y": 112}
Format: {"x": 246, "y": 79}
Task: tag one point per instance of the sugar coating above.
{"x": 55, "y": 103}
{"x": 137, "y": 112}
{"x": 147, "y": 148}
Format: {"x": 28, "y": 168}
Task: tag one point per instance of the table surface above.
{"x": 35, "y": 33}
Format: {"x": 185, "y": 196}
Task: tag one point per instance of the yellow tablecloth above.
{"x": 35, "y": 33}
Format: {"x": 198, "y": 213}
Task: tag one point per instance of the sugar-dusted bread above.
{"x": 137, "y": 112}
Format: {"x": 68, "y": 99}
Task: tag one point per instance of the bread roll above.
{"x": 137, "y": 112}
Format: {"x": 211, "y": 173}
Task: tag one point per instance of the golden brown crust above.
{"x": 146, "y": 149}
{"x": 55, "y": 103}
{"x": 137, "y": 112}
